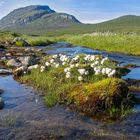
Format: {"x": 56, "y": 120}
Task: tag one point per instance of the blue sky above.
{"x": 87, "y": 11}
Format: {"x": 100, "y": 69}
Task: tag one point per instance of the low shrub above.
{"x": 97, "y": 97}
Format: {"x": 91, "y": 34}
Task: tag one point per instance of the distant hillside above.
{"x": 38, "y": 20}
{"x": 36, "y": 16}
{"x": 124, "y": 22}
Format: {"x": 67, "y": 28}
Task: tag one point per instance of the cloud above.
{"x": 2, "y": 3}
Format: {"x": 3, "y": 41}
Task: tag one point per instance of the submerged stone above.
{"x": 5, "y": 72}
{"x": 2, "y": 104}
{"x": 1, "y": 91}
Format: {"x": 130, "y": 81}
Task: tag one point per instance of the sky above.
{"x": 87, "y": 11}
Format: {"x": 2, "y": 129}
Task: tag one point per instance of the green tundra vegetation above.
{"x": 91, "y": 84}
{"x": 122, "y": 43}
{"x": 111, "y": 42}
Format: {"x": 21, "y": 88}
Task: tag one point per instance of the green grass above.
{"x": 38, "y": 40}
{"x": 92, "y": 90}
{"x": 127, "y": 44}
{"x": 31, "y": 40}
{"x": 122, "y": 43}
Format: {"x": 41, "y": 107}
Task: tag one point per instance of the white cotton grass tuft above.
{"x": 67, "y": 69}
{"x": 83, "y": 65}
{"x": 47, "y": 64}
{"x": 68, "y": 74}
{"x": 81, "y": 71}
{"x": 86, "y": 72}
{"x": 55, "y": 56}
{"x": 77, "y": 65}
{"x": 52, "y": 61}
{"x": 57, "y": 65}
{"x": 42, "y": 68}
{"x": 80, "y": 78}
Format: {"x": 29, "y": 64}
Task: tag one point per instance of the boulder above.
{"x": 8, "y": 54}
{"x": 19, "y": 71}
{"x": 28, "y": 60}
{"x": 5, "y": 72}
{"x": 30, "y": 50}
{"x": 33, "y": 67}
{"x": 13, "y": 63}
{"x": 1, "y": 91}
{"x": 2, "y": 104}
{"x": 3, "y": 58}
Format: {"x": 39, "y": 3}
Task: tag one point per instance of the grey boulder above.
{"x": 13, "y": 63}
{"x": 28, "y": 60}
{"x": 5, "y": 72}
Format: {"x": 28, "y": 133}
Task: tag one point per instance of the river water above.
{"x": 67, "y": 49}
{"x": 25, "y": 116}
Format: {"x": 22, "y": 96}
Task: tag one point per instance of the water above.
{"x": 65, "y": 48}
{"x": 26, "y": 117}
{"x": 134, "y": 74}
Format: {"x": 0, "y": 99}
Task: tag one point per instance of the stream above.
{"x": 26, "y": 117}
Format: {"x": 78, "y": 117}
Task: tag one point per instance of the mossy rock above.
{"x": 100, "y": 96}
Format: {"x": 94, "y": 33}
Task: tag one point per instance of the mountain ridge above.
{"x": 41, "y": 19}
{"x": 25, "y": 15}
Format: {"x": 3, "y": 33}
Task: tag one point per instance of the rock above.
{"x": 2, "y": 46}
{"x": 29, "y": 50}
{"x": 133, "y": 82}
{"x": 20, "y": 54}
{"x": 18, "y": 39}
{"x": 2, "y": 104}
{"x": 5, "y": 72}
{"x": 137, "y": 98}
{"x": 3, "y": 58}
{"x": 39, "y": 50}
{"x": 19, "y": 71}
{"x": 28, "y": 60}
{"x": 13, "y": 63}
{"x": 1, "y": 91}
{"x": 33, "y": 67}
{"x": 8, "y": 54}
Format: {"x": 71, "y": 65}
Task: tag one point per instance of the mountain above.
{"x": 35, "y": 16}
{"x": 37, "y": 19}
{"x": 122, "y": 22}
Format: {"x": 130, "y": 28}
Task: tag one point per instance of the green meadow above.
{"x": 111, "y": 42}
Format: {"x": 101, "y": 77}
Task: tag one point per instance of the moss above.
{"x": 100, "y": 96}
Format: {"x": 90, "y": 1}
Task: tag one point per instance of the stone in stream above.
{"x": 2, "y": 104}
{"x": 28, "y": 60}
{"x": 19, "y": 71}
{"x": 1, "y": 91}
{"x": 33, "y": 67}
{"x": 137, "y": 98}
{"x": 13, "y": 63}
{"x": 3, "y": 58}
{"x": 5, "y": 72}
